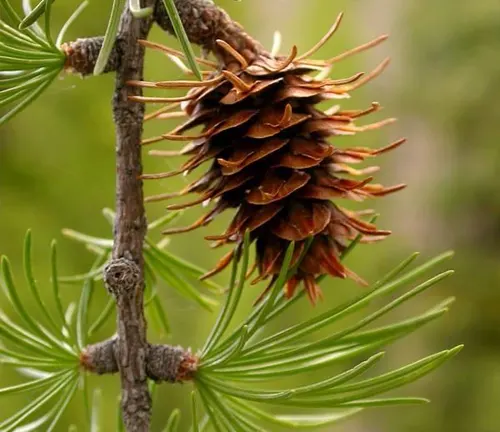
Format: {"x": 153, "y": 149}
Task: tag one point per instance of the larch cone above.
{"x": 273, "y": 157}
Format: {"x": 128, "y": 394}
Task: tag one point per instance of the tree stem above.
{"x": 125, "y": 273}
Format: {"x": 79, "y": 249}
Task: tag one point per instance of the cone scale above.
{"x": 273, "y": 159}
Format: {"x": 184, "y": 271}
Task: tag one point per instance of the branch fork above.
{"x": 164, "y": 363}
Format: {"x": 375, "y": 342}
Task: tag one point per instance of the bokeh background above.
{"x": 57, "y": 170}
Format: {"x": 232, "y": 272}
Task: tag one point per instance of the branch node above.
{"x": 100, "y": 358}
{"x": 81, "y": 56}
{"x": 170, "y": 364}
{"x": 122, "y": 276}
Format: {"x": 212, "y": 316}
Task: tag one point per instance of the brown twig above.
{"x": 124, "y": 275}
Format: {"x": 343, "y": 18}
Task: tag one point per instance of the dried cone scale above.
{"x": 273, "y": 156}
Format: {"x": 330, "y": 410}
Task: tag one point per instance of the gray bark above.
{"x": 124, "y": 274}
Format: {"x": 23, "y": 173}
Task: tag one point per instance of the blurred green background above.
{"x": 57, "y": 171}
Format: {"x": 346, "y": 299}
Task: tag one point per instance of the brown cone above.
{"x": 267, "y": 144}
